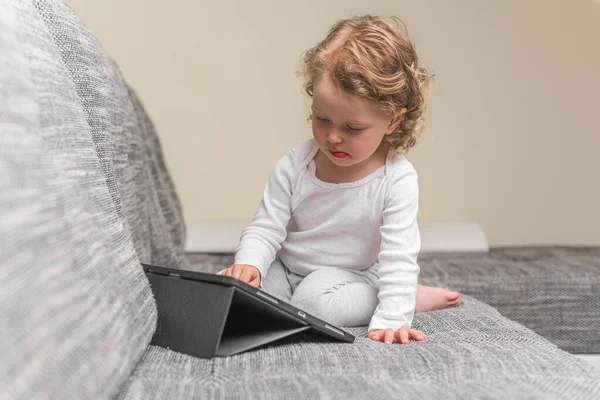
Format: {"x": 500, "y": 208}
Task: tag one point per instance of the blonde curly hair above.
{"x": 368, "y": 56}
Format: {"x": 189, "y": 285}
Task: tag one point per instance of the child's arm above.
{"x": 261, "y": 240}
{"x": 400, "y": 246}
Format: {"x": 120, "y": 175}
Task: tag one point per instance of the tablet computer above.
{"x": 224, "y": 315}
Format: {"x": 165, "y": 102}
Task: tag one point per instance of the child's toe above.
{"x": 452, "y": 296}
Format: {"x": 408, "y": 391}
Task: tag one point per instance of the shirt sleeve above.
{"x": 400, "y": 246}
{"x": 261, "y": 240}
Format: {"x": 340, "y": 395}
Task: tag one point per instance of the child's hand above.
{"x": 246, "y": 273}
{"x": 402, "y": 335}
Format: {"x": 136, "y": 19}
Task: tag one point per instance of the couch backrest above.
{"x": 84, "y": 197}
{"x": 124, "y": 138}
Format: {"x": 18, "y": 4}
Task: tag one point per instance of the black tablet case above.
{"x": 206, "y": 319}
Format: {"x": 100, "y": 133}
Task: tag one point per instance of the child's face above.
{"x": 347, "y": 128}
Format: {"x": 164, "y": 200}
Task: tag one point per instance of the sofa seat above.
{"x": 471, "y": 351}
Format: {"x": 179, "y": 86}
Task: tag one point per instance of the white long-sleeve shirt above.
{"x": 311, "y": 224}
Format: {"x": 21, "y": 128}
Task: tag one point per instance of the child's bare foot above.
{"x": 435, "y": 298}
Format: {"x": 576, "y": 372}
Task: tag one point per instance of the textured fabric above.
{"x": 124, "y": 139}
{"x": 76, "y": 311}
{"x": 311, "y": 224}
{"x": 168, "y": 225}
{"x": 551, "y": 290}
{"x": 471, "y": 352}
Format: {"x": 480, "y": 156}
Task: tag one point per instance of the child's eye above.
{"x": 322, "y": 119}
{"x": 354, "y": 129}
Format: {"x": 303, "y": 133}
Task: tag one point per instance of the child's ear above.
{"x": 395, "y": 121}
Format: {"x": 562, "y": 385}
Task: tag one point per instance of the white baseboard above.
{"x": 213, "y": 236}
{"x": 438, "y": 236}
{"x": 222, "y": 236}
{"x": 593, "y": 359}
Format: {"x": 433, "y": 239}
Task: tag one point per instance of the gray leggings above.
{"x": 342, "y": 297}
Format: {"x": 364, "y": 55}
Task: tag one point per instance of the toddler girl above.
{"x": 336, "y": 231}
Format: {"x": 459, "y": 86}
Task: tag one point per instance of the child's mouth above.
{"x": 338, "y": 154}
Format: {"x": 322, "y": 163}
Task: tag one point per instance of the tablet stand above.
{"x": 228, "y": 320}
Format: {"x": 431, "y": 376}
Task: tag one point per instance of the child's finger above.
{"x": 389, "y": 336}
{"x": 416, "y": 334}
{"x": 255, "y": 282}
{"x": 237, "y": 271}
{"x": 402, "y": 335}
{"x": 375, "y": 335}
{"x": 227, "y": 272}
{"x": 246, "y": 275}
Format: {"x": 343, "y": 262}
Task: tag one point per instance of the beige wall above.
{"x": 513, "y": 134}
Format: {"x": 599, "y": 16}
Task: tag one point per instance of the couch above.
{"x": 85, "y": 197}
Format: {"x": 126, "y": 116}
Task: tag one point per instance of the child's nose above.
{"x": 334, "y": 137}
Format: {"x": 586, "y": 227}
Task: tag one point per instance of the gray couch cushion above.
{"x": 168, "y": 227}
{"x": 551, "y": 290}
{"x": 76, "y": 311}
{"x": 471, "y": 352}
{"x": 124, "y": 139}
